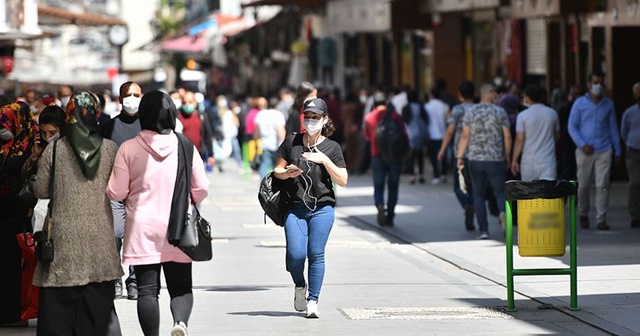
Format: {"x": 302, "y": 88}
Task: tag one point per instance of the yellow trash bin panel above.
{"x": 541, "y": 227}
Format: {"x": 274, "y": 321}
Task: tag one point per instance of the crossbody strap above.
{"x": 188, "y": 162}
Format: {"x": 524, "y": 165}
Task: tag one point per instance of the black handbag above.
{"x": 25, "y": 195}
{"x": 44, "y": 248}
{"x": 274, "y": 198}
{"x": 194, "y": 231}
{"x": 196, "y": 237}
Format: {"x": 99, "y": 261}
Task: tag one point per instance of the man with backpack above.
{"x": 386, "y": 132}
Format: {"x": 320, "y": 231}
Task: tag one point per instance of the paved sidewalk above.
{"x": 426, "y": 276}
{"x": 608, "y": 261}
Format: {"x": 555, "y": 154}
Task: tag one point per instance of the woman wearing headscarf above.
{"x": 17, "y": 129}
{"x": 144, "y": 177}
{"x": 77, "y": 287}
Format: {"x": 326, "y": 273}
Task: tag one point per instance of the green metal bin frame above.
{"x": 572, "y": 270}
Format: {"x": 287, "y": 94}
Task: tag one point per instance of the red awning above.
{"x": 184, "y": 43}
{"x": 227, "y": 25}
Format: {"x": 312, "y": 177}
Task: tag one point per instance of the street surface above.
{"x": 425, "y": 276}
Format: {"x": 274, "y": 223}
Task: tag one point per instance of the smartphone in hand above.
{"x": 293, "y": 167}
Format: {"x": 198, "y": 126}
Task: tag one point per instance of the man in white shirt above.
{"x": 271, "y": 132}
{"x": 438, "y": 113}
{"x": 537, "y": 130}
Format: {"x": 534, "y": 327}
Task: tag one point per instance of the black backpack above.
{"x": 391, "y": 139}
{"x": 274, "y": 198}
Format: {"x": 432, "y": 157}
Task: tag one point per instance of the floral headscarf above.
{"x": 83, "y": 112}
{"x": 17, "y": 118}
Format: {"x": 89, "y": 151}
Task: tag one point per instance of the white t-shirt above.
{"x": 268, "y": 121}
{"x": 539, "y": 124}
{"x": 438, "y": 112}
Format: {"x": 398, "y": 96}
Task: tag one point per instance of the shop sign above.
{"x": 440, "y": 6}
{"x": 359, "y": 16}
{"x": 618, "y": 13}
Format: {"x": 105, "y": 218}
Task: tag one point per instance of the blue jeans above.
{"x": 464, "y": 199}
{"x": 307, "y": 233}
{"x": 482, "y": 172}
{"x": 268, "y": 162}
{"x": 380, "y": 172}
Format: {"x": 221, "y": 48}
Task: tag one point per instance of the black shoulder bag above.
{"x": 187, "y": 229}
{"x": 44, "y": 244}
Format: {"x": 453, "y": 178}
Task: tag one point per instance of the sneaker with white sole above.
{"x": 300, "y": 299}
{"x": 312, "y": 309}
{"x": 179, "y": 329}
{"x": 483, "y": 235}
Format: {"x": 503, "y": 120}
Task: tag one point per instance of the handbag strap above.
{"x": 52, "y": 188}
{"x": 52, "y": 178}
{"x": 188, "y": 162}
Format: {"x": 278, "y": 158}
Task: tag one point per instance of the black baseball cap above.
{"x": 315, "y": 105}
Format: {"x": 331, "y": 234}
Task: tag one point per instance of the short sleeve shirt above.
{"x": 321, "y": 186}
{"x": 486, "y": 141}
{"x": 457, "y": 113}
{"x": 268, "y": 122}
{"x": 539, "y": 124}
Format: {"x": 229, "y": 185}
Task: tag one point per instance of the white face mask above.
{"x": 177, "y": 102}
{"x": 313, "y": 126}
{"x": 33, "y": 109}
{"x": 596, "y": 90}
{"x": 53, "y": 138}
{"x": 130, "y": 105}
{"x": 110, "y": 108}
{"x": 5, "y": 134}
{"x": 64, "y": 101}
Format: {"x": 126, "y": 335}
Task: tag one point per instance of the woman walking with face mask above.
{"x": 311, "y": 161}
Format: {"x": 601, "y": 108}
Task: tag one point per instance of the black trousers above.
{"x": 11, "y": 224}
{"x": 179, "y": 285}
{"x": 78, "y": 311}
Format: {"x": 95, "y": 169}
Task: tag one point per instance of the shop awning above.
{"x": 194, "y": 38}
{"x": 57, "y": 16}
{"x": 299, "y": 3}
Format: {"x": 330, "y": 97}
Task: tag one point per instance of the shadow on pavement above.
{"x": 267, "y": 313}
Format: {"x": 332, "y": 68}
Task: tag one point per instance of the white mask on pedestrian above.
{"x": 64, "y": 101}
{"x": 130, "y": 105}
{"x": 313, "y": 126}
{"x": 52, "y": 138}
{"x": 177, "y": 102}
{"x": 5, "y": 134}
{"x": 596, "y": 90}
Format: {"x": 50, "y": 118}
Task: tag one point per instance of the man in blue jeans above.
{"x": 486, "y": 139}
{"x": 381, "y": 169}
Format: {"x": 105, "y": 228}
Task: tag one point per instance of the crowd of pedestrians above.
{"x": 100, "y": 154}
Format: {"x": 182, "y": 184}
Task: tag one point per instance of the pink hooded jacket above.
{"x": 144, "y": 176}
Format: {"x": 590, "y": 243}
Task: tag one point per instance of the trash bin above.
{"x": 541, "y": 215}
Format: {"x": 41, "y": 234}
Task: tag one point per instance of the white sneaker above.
{"x": 300, "y": 299}
{"x": 312, "y": 309}
{"x": 435, "y": 181}
{"x": 179, "y": 329}
{"x": 483, "y": 235}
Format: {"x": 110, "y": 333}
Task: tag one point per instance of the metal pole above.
{"x": 573, "y": 247}
{"x": 509, "y": 242}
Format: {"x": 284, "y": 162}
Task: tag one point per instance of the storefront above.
{"x": 469, "y": 40}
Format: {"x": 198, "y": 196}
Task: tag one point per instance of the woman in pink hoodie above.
{"x": 144, "y": 176}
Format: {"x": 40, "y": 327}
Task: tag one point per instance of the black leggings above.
{"x": 417, "y": 157}
{"x": 179, "y": 283}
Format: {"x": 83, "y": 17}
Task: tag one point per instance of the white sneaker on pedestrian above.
{"x": 483, "y": 235}
{"x": 312, "y": 309}
{"x": 435, "y": 181}
{"x": 300, "y": 299}
{"x": 179, "y": 329}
